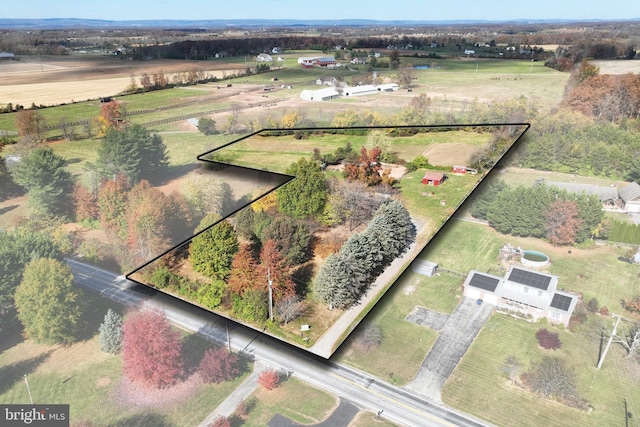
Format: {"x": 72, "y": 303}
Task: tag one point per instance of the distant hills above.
{"x": 70, "y": 23}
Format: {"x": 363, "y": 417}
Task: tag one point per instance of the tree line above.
{"x": 540, "y": 211}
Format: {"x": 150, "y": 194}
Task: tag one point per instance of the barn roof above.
{"x": 433, "y": 176}
{"x": 630, "y": 192}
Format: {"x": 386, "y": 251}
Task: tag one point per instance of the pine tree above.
{"x": 333, "y": 284}
{"x": 111, "y": 333}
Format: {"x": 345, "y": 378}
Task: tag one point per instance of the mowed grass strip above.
{"x": 478, "y": 387}
{"x": 293, "y": 399}
{"x": 89, "y": 387}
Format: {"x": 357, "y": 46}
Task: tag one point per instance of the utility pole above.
{"x": 28, "y": 389}
{"x": 270, "y": 293}
{"x": 613, "y": 333}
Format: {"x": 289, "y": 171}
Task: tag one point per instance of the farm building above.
{"x": 325, "y": 94}
{"x": 388, "y": 87}
{"x": 463, "y": 170}
{"x": 531, "y": 293}
{"x": 325, "y": 61}
{"x": 7, "y": 55}
{"x": 264, "y": 57}
{"x": 426, "y": 268}
{"x": 434, "y": 178}
{"x": 360, "y": 90}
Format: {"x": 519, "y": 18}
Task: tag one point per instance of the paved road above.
{"x": 401, "y": 406}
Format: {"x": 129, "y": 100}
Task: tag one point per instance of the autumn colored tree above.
{"x": 110, "y": 116}
{"x": 291, "y": 119}
{"x": 151, "y": 350}
{"x": 273, "y": 265}
{"x": 269, "y": 379}
{"x": 212, "y": 251}
{"x": 206, "y": 194}
{"x": 344, "y": 119}
{"x": 49, "y": 306}
{"x": 367, "y": 170}
{"x": 146, "y": 214}
{"x": 31, "y": 128}
{"x": 112, "y": 201}
{"x": 218, "y": 365}
{"x": 220, "y": 421}
{"x": 547, "y": 339}
{"x": 244, "y": 272}
{"x": 562, "y": 222}
{"x": 85, "y": 203}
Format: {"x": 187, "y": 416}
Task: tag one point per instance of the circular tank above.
{"x": 534, "y": 259}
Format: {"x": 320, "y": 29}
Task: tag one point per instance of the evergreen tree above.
{"x": 111, "y": 333}
{"x": 133, "y": 152}
{"x": 306, "y": 194}
{"x": 292, "y": 238}
{"x": 211, "y": 252}
{"x": 42, "y": 173}
{"x": 482, "y": 202}
{"x": 48, "y": 304}
{"x": 333, "y": 283}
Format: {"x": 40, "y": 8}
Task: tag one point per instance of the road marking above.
{"x": 397, "y": 402}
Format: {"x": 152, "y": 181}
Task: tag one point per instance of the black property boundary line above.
{"x": 202, "y": 157}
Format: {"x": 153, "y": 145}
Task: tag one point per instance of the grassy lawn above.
{"x": 437, "y": 293}
{"x": 368, "y": 419}
{"x": 462, "y": 246}
{"x": 425, "y": 201}
{"x": 293, "y": 399}
{"x": 88, "y": 380}
{"x": 478, "y": 387}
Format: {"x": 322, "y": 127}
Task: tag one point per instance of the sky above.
{"x": 495, "y": 10}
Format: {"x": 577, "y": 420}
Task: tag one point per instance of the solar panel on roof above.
{"x": 561, "y": 302}
{"x": 529, "y": 278}
{"x": 484, "y": 282}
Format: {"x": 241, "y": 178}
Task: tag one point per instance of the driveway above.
{"x": 456, "y": 335}
{"x": 341, "y": 417}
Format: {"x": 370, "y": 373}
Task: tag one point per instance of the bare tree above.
{"x": 66, "y": 128}
{"x": 511, "y": 367}
{"x": 630, "y": 340}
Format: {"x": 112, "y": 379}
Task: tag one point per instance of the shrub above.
{"x": 592, "y": 305}
{"x": 218, "y": 365}
{"x": 269, "y": 379}
{"x": 548, "y": 340}
{"x": 220, "y": 421}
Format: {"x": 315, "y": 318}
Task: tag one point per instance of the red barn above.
{"x": 433, "y": 178}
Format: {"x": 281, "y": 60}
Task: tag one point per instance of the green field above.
{"x": 478, "y": 387}
{"x": 88, "y": 380}
{"x": 293, "y": 399}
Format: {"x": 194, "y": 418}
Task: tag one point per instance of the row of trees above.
{"x": 540, "y": 211}
{"x": 346, "y": 276}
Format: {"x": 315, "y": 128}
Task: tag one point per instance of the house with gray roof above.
{"x": 531, "y": 293}
{"x": 607, "y": 194}
{"x": 630, "y": 196}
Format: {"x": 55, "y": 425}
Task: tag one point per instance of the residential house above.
{"x": 530, "y": 293}
{"x": 630, "y": 196}
{"x": 264, "y": 57}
